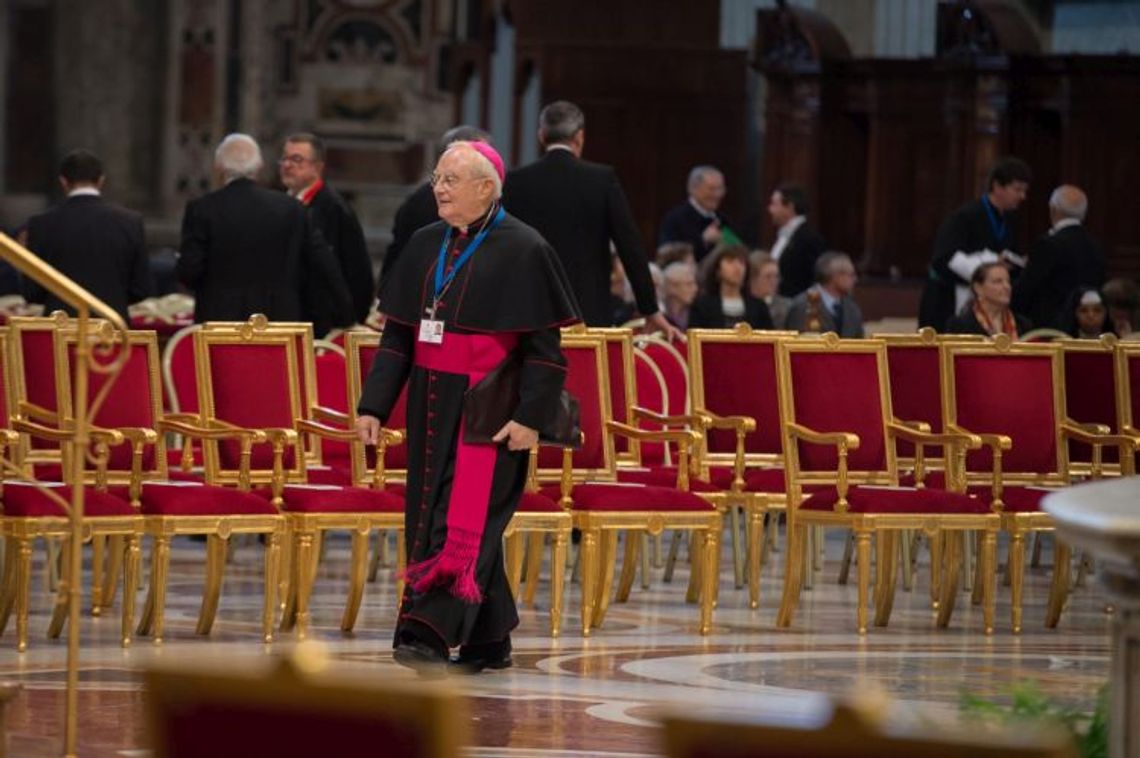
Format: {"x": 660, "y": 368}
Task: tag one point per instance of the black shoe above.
{"x": 423, "y": 658}
{"x": 493, "y": 656}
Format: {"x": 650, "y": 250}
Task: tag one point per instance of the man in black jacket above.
{"x": 698, "y": 221}
{"x": 302, "y": 167}
{"x": 579, "y": 207}
{"x": 798, "y": 245}
{"x": 98, "y": 244}
{"x": 1061, "y": 261}
{"x": 246, "y": 249}
{"x": 419, "y": 209}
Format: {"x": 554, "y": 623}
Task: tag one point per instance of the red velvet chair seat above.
{"x": 1017, "y": 499}
{"x": 630, "y": 497}
{"x": 534, "y": 502}
{"x": 27, "y": 501}
{"x": 666, "y": 476}
{"x": 765, "y": 480}
{"x": 316, "y": 498}
{"x": 194, "y": 499}
{"x": 868, "y": 499}
{"x": 330, "y": 474}
{"x": 53, "y": 472}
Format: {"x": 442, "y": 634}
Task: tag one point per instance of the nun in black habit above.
{"x": 470, "y": 291}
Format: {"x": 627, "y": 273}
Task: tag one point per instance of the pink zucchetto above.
{"x": 492, "y": 155}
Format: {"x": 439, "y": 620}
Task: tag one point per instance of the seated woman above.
{"x": 988, "y": 312}
{"x": 1084, "y": 315}
{"x": 764, "y": 284}
{"x": 725, "y": 300}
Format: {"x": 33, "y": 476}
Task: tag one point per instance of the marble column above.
{"x": 109, "y": 90}
{"x": 1104, "y": 519}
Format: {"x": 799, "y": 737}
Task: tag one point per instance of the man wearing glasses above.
{"x": 302, "y": 167}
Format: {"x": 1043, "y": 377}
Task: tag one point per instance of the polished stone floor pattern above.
{"x": 599, "y": 696}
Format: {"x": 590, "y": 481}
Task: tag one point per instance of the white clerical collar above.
{"x": 705, "y": 213}
{"x": 789, "y": 228}
{"x": 1064, "y": 223}
{"x": 91, "y": 191}
{"x": 560, "y": 146}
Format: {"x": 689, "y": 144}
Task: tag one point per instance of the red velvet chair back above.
{"x": 587, "y": 379}
{"x": 653, "y": 395}
{"x": 5, "y": 381}
{"x": 253, "y": 382}
{"x": 178, "y": 373}
{"x": 332, "y": 392}
{"x": 1128, "y": 387}
{"x": 360, "y": 351}
{"x": 623, "y": 391}
{"x": 32, "y": 352}
{"x": 674, "y": 369}
{"x": 133, "y": 398}
{"x": 832, "y": 385}
{"x": 1015, "y": 389}
{"x": 734, "y": 374}
{"x": 1090, "y": 394}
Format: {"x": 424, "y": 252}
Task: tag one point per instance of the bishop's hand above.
{"x": 517, "y": 436}
{"x": 368, "y": 429}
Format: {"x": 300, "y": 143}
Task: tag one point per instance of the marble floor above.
{"x": 598, "y": 696}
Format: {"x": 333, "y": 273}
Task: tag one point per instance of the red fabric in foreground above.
{"x": 302, "y": 499}
{"x": 620, "y": 497}
{"x": 26, "y": 501}
{"x": 167, "y": 499}
{"x": 863, "y": 499}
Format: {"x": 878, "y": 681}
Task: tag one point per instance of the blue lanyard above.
{"x": 998, "y": 227}
{"x": 442, "y": 282}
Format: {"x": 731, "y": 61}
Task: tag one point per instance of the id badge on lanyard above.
{"x": 431, "y": 331}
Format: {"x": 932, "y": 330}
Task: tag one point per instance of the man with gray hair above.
{"x": 828, "y": 306}
{"x": 698, "y": 220}
{"x": 246, "y": 249}
{"x": 580, "y": 208}
{"x": 1065, "y": 258}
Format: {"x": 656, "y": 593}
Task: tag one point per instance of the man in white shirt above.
{"x": 798, "y": 245}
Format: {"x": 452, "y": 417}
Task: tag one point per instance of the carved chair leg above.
{"x": 1059, "y": 590}
{"x": 8, "y": 587}
{"x": 378, "y": 554}
{"x": 987, "y": 577}
{"x": 793, "y": 573}
{"x": 303, "y": 578}
{"x": 534, "y": 549}
{"x": 557, "y": 578}
{"x": 23, "y": 560}
{"x": 813, "y": 536}
{"x": 116, "y": 551}
{"x": 845, "y": 561}
{"x": 905, "y": 547}
{"x": 696, "y": 551}
{"x": 272, "y": 568}
{"x": 59, "y": 611}
{"x": 1038, "y": 542}
{"x": 671, "y": 561}
{"x": 658, "y": 550}
{"x": 131, "y": 555}
{"x": 967, "y": 567}
{"x": 588, "y": 561}
{"x": 54, "y": 558}
{"x": 935, "y": 541}
{"x": 287, "y": 585}
{"x": 629, "y": 565}
{"x": 160, "y": 567}
{"x": 886, "y": 572}
{"x": 98, "y": 555}
{"x": 711, "y": 577}
{"x": 863, "y": 570}
{"x": 357, "y": 574}
{"x": 951, "y": 569}
{"x": 211, "y": 592}
{"x": 646, "y": 567}
{"x": 737, "y": 556}
{"x": 605, "y": 574}
{"x": 1016, "y": 571}
{"x": 755, "y": 549}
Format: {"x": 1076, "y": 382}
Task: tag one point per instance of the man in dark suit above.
{"x": 302, "y": 167}
{"x": 98, "y": 244}
{"x": 1062, "y": 260}
{"x": 798, "y": 245}
{"x": 698, "y": 221}
{"x": 246, "y": 249}
{"x": 419, "y": 209}
{"x": 829, "y": 301}
{"x": 579, "y": 207}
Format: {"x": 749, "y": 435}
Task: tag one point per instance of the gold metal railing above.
{"x": 86, "y": 305}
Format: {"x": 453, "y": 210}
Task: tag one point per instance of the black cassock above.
{"x": 969, "y": 230}
{"x": 510, "y": 297}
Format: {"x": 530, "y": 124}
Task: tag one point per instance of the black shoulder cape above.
{"x": 513, "y": 283}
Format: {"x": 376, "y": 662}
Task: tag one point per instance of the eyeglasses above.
{"x": 449, "y": 181}
{"x": 294, "y": 160}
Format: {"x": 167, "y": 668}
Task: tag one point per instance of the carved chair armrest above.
{"x": 38, "y": 413}
{"x": 215, "y": 431}
{"x": 676, "y": 419}
{"x": 325, "y": 431}
{"x": 843, "y": 442}
{"x": 330, "y": 415}
{"x": 686, "y": 439}
{"x": 565, "y": 479}
{"x": 33, "y": 429}
{"x": 954, "y": 445}
{"x": 996, "y": 443}
{"x": 1098, "y": 436}
{"x": 742, "y": 425}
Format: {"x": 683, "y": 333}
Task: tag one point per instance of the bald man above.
{"x": 1062, "y": 260}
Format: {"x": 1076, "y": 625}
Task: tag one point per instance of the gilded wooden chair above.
{"x": 839, "y": 445}
{"x": 180, "y": 382}
{"x": 1091, "y": 399}
{"x": 602, "y": 507}
{"x": 1127, "y": 365}
{"x": 138, "y": 470}
{"x": 275, "y": 407}
{"x": 1012, "y": 396}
